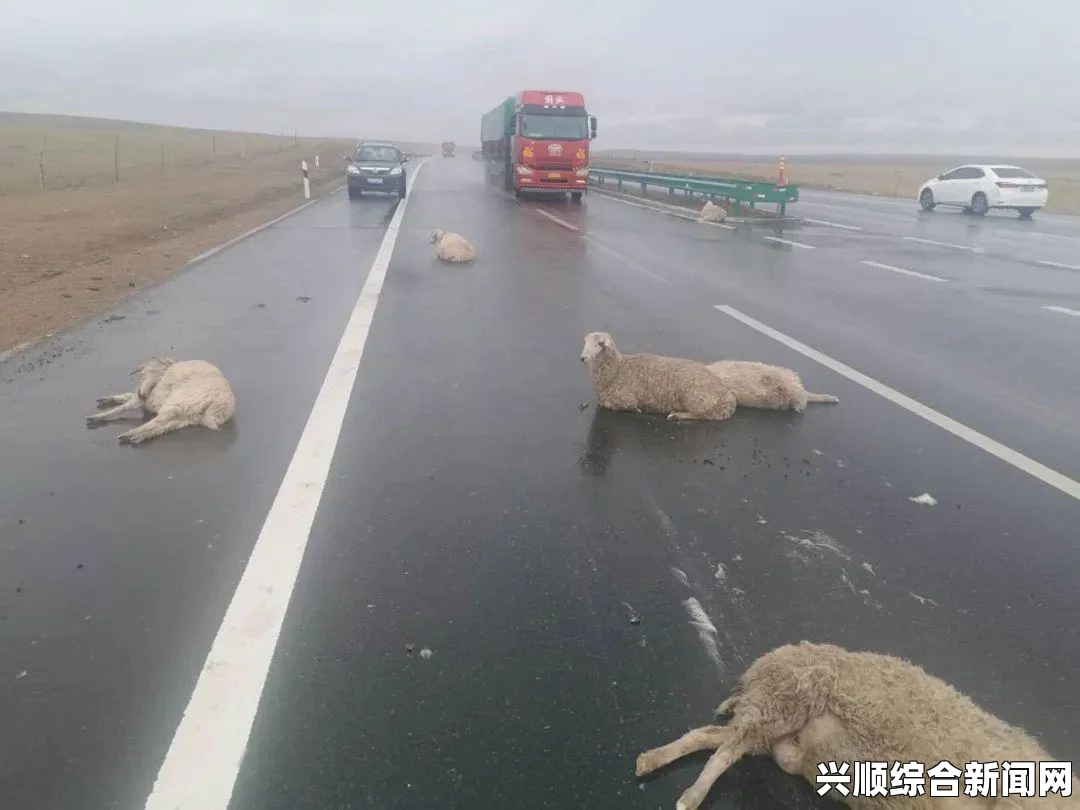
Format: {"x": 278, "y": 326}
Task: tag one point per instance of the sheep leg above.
{"x": 158, "y": 426}
{"x": 697, "y": 739}
{"x": 125, "y": 410}
{"x": 726, "y": 756}
{"x": 680, "y": 416}
{"x": 113, "y": 400}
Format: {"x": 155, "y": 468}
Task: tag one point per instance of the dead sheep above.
{"x": 711, "y": 212}
{"x": 674, "y": 387}
{"x": 452, "y": 247}
{"x": 759, "y": 385}
{"x": 805, "y": 704}
{"x": 179, "y": 394}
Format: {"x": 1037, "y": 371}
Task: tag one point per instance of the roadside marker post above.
{"x": 307, "y": 182}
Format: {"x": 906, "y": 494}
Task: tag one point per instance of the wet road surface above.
{"x": 494, "y": 607}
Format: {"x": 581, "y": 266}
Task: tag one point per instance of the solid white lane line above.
{"x": 994, "y": 448}
{"x": 832, "y": 224}
{"x": 1064, "y": 311}
{"x": 205, "y": 756}
{"x": 940, "y": 244}
{"x": 902, "y": 270}
{"x": 1059, "y": 265}
{"x": 639, "y": 267}
{"x": 787, "y": 242}
{"x": 557, "y": 220}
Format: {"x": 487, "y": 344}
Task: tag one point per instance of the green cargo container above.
{"x": 498, "y": 123}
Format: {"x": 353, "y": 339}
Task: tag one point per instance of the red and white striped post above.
{"x": 781, "y": 177}
{"x": 307, "y": 183}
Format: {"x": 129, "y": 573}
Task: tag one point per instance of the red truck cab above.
{"x": 542, "y": 138}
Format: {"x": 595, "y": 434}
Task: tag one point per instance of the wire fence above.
{"x": 33, "y": 160}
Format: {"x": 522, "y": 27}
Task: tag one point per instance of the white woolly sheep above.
{"x": 806, "y": 704}
{"x": 177, "y": 394}
{"x": 711, "y": 212}
{"x": 759, "y": 385}
{"x": 648, "y": 383}
{"x": 452, "y": 247}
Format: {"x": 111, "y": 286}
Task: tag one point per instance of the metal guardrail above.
{"x": 737, "y": 191}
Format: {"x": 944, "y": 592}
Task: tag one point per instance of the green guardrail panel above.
{"x": 738, "y": 191}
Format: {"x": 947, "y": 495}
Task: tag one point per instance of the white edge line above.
{"x": 214, "y": 250}
{"x": 1064, "y": 310}
{"x": 640, "y": 268}
{"x": 1006, "y": 454}
{"x": 787, "y": 242}
{"x": 940, "y": 244}
{"x": 659, "y": 210}
{"x": 557, "y": 220}
{"x": 1061, "y": 265}
{"x": 206, "y": 753}
{"x": 902, "y": 270}
{"x": 832, "y": 224}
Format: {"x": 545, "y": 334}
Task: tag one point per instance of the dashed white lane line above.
{"x": 941, "y": 244}
{"x": 1064, "y": 311}
{"x": 902, "y": 270}
{"x": 557, "y": 220}
{"x": 639, "y": 267}
{"x": 787, "y": 242}
{"x": 1059, "y": 265}
{"x": 206, "y": 753}
{"x": 994, "y": 448}
{"x": 832, "y": 224}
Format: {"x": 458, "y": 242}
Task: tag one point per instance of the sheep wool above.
{"x": 711, "y": 212}
{"x": 177, "y": 394}
{"x": 758, "y": 385}
{"x": 452, "y": 247}
{"x": 674, "y": 387}
{"x": 807, "y": 703}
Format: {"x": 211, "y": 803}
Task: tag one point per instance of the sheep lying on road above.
{"x": 452, "y": 247}
{"x": 758, "y": 385}
{"x": 806, "y": 704}
{"x": 648, "y": 383}
{"x": 711, "y": 212}
{"x": 177, "y": 394}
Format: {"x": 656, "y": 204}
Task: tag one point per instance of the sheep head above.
{"x": 436, "y": 235}
{"x": 596, "y": 343}
{"x": 149, "y": 373}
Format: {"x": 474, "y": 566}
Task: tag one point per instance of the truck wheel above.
{"x": 575, "y": 196}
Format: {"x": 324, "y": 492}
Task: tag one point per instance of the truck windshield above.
{"x": 555, "y": 127}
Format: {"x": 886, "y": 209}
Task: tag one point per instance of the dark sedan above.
{"x": 376, "y": 167}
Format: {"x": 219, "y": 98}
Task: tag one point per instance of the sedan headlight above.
{"x": 352, "y": 170}
{"x": 395, "y": 171}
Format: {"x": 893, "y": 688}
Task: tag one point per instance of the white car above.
{"x": 978, "y": 188}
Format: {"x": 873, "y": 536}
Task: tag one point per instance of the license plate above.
{"x": 554, "y": 176}
{"x": 374, "y": 179}
{"x": 1027, "y": 188}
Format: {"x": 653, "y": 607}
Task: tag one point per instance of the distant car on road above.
{"x": 979, "y": 187}
{"x": 376, "y": 166}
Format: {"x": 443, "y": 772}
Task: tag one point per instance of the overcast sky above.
{"x": 959, "y": 76}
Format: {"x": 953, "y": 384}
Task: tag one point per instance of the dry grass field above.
{"x": 885, "y": 176}
{"x": 126, "y": 205}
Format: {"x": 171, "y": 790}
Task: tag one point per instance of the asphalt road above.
{"x": 494, "y": 605}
